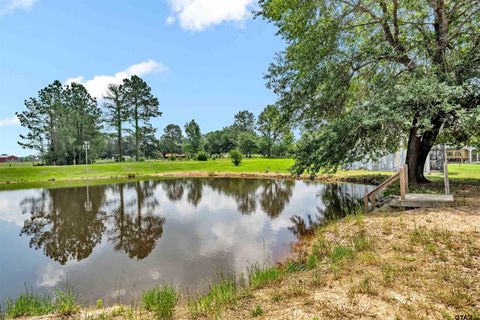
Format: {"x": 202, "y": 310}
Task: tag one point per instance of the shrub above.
{"x": 161, "y": 301}
{"x": 202, "y": 156}
{"x": 236, "y": 156}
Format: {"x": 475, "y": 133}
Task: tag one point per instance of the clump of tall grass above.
{"x": 221, "y": 294}
{"x": 161, "y": 301}
{"x": 64, "y": 302}
{"x": 28, "y": 304}
{"x": 260, "y": 276}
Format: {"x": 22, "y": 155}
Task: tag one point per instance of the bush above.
{"x": 202, "y": 156}
{"x": 236, "y": 156}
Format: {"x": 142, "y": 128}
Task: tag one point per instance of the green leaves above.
{"x": 358, "y": 75}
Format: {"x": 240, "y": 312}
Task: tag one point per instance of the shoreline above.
{"x": 373, "y": 178}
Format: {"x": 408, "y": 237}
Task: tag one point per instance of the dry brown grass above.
{"x": 419, "y": 264}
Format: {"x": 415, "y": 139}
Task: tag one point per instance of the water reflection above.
{"x": 65, "y": 223}
{"x": 110, "y": 239}
{"x": 338, "y": 201}
{"x": 135, "y": 228}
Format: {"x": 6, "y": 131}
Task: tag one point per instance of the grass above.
{"x": 222, "y": 293}
{"x": 50, "y": 175}
{"x": 28, "y": 304}
{"x": 257, "y": 311}
{"x": 260, "y": 276}
{"x": 161, "y": 301}
{"x": 25, "y": 175}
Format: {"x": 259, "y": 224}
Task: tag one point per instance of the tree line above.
{"x": 63, "y": 117}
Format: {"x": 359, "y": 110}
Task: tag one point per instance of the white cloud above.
{"x": 13, "y": 121}
{"x": 98, "y": 85}
{"x": 9, "y": 6}
{"x": 198, "y": 15}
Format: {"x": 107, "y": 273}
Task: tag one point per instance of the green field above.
{"x": 21, "y": 175}
{"x": 28, "y": 173}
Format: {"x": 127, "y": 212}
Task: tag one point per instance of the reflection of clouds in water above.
{"x": 10, "y": 202}
{"x": 118, "y": 293}
{"x": 155, "y": 275}
{"x": 51, "y": 276}
{"x": 196, "y": 239}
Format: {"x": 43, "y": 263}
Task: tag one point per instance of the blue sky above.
{"x": 204, "y": 59}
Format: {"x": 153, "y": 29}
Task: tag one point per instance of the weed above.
{"x": 312, "y": 261}
{"x": 388, "y": 274}
{"x": 257, "y": 311}
{"x": 360, "y": 241}
{"x": 260, "y": 276}
{"x": 366, "y": 286}
{"x": 317, "y": 280}
{"x": 66, "y": 301}
{"x": 340, "y": 253}
{"x": 456, "y": 297}
{"x": 221, "y": 294}
{"x": 276, "y": 297}
{"x": 28, "y": 304}
{"x": 161, "y": 301}
{"x": 295, "y": 266}
{"x": 99, "y": 303}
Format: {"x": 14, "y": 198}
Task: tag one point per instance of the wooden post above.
{"x": 445, "y": 177}
{"x": 406, "y": 178}
{"x": 402, "y": 183}
{"x": 365, "y": 203}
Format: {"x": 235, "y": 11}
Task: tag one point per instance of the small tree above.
{"x": 236, "y": 156}
{"x": 247, "y": 143}
{"x": 193, "y": 139}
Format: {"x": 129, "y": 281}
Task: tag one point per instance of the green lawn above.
{"x": 22, "y": 173}
{"x": 25, "y": 175}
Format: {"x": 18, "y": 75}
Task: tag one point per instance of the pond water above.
{"x": 112, "y": 241}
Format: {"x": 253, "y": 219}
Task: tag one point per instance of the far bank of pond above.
{"x": 24, "y": 175}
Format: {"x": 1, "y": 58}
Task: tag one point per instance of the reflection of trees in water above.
{"x": 195, "y": 189}
{"x": 273, "y": 195}
{"x": 174, "y": 188}
{"x": 136, "y": 229}
{"x": 242, "y": 190}
{"x": 338, "y": 203}
{"x": 65, "y": 223}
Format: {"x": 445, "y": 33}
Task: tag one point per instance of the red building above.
{"x": 7, "y": 158}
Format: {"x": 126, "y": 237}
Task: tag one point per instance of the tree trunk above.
{"x": 419, "y": 147}
{"x": 120, "y": 146}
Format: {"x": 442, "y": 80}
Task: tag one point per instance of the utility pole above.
{"x": 86, "y": 147}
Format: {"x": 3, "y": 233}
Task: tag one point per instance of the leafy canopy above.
{"x": 357, "y": 75}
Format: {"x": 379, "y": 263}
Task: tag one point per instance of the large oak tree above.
{"x": 364, "y": 77}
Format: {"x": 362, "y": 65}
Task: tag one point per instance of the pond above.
{"x": 113, "y": 241}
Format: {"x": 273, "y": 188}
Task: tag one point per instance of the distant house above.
{"x": 6, "y": 158}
